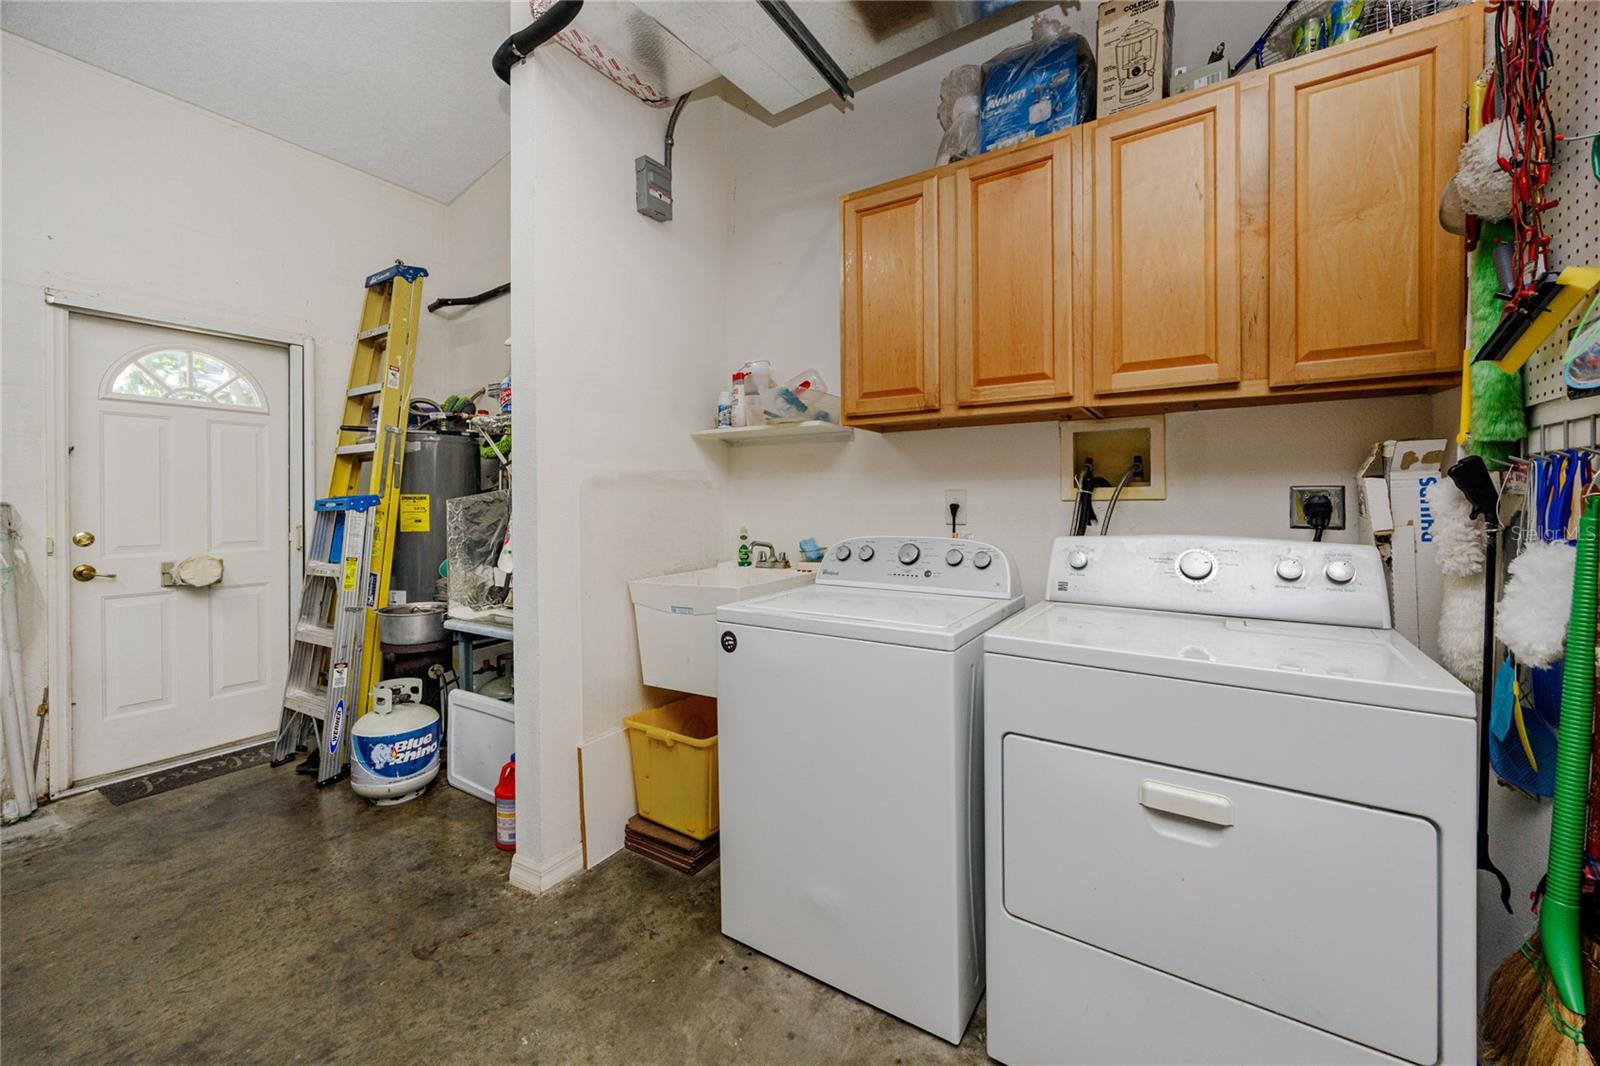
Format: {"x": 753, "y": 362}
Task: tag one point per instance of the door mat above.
{"x": 200, "y": 770}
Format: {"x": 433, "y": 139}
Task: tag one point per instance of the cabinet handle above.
{"x": 1189, "y": 803}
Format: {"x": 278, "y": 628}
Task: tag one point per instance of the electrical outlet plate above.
{"x": 1297, "y": 500}
{"x": 956, "y": 496}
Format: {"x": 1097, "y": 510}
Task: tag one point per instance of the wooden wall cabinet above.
{"x": 1269, "y": 239}
{"x": 1166, "y": 245}
{"x": 890, "y": 306}
{"x": 1365, "y": 282}
{"x": 1014, "y": 277}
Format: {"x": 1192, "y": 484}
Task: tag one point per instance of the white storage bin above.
{"x": 480, "y": 737}
{"x": 676, "y": 619}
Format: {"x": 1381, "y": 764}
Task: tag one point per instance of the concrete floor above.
{"x": 250, "y": 918}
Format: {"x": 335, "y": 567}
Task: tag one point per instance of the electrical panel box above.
{"x": 652, "y": 189}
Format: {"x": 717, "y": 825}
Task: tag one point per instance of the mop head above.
{"x": 1484, "y": 188}
{"x": 1499, "y": 423}
{"x": 1461, "y": 628}
{"x": 1456, "y": 534}
{"x": 1483, "y": 284}
{"x": 1532, "y": 617}
{"x": 1524, "y": 1022}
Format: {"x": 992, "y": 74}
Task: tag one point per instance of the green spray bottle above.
{"x": 744, "y": 546}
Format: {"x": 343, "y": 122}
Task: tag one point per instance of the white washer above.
{"x": 850, "y": 762}
{"x": 1230, "y": 814}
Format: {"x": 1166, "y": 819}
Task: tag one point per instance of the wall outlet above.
{"x": 1297, "y": 501}
{"x": 956, "y": 496}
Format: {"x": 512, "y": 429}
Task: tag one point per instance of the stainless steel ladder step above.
{"x": 374, "y": 333}
{"x": 311, "y": 633}
{"x": 365, "y": 390}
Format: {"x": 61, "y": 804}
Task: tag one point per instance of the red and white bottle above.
{"x": 505, "y": 807}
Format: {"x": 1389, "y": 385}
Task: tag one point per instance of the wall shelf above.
{"x": 788, "y": 433}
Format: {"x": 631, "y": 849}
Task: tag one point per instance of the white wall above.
{"x": 120, "y": 192}
{"x": 477, "y": 257}
{"x": 1228, "y": 471}
{"x": 617, "y": 335}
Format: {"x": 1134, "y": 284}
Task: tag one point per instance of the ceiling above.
{"x": 402, "y": 91}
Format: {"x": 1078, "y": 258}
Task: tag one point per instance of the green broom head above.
{"x": 1499, "y": 423}
{"x": 1483, "y": 306}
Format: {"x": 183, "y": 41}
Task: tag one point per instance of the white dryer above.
{"x": 850, "y": 762}
{"x": 1230, "y": 814}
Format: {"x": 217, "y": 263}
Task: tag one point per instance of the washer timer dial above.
{"x": 909, "y": 553}
{"x": 1195, "y": 565}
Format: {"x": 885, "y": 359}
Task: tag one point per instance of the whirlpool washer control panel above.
{"x": 921, "y": 564}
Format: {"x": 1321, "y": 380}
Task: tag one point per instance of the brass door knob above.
{"x": 85, "y": 572}
{"x": 83, "y": 538}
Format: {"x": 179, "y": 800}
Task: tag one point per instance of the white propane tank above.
{"x": 394, "y": 748}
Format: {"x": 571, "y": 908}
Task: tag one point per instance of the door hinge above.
{"x": 49, "y": 545}
{"x": 299, "y": 536}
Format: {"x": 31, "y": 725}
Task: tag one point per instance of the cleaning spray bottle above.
{"x": 744, "y": 546}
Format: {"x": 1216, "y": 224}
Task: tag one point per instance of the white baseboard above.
{"x": 532, "y": 876}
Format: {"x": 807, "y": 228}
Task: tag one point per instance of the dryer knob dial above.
{"x": 1077, "y": 559}
{"x": 953, "y": 557}
{"x": 981, "y": 560}
{"x": 1195, "y": 565}
{"x": 865, "y": 553}
{"x": 842, "y": 552}
{"x": 909, "y": 553}
{"x": 1340, "y": 572}
{"x": 1290, "y": 569}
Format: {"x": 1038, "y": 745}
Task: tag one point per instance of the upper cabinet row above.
{"x": 1270, "y": 238}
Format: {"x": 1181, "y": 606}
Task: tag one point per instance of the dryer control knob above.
{"x": 981, "y": 560}
{"x": 1195, "y": 565}
{"x": 909, "y": 553}
{"x": 1340, "y": 572}
{"x": 953, "y": 557}
{"x": 1077, "y": 559}
{"x": 866, "y": 553}
{"x": 1290, "y": 569}
{"x": 842, "y": 552}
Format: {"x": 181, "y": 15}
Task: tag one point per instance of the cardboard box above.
{"x": 1134, "y": 52}
{"x": 1395, "y": 517}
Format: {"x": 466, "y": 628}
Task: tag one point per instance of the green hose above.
{"x": 1558, "y": 914}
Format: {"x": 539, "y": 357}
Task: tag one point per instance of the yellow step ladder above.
{"x": 369, "y": 455}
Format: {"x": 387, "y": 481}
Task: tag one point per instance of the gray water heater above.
{"x": 438, "y": 467}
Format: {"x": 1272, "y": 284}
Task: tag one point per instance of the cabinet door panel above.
{"x": 1365, "y": 283}
{"x": 1166, "y": 267}
{"x": 890, "y": 356}
{"x": 1014, "y": 280}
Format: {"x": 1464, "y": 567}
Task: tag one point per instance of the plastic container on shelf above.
{"x": 674, "y": 750}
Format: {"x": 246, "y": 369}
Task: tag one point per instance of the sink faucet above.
{"x": 771, "y": 559}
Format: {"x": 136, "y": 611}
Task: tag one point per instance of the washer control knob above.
{"x": 1077, "y": 559}
{"x": 953, "y": 557}
{"x": 842, "y": 552}
{"x": 1290, "y": 569}
{"x": 1340, "y": 572}
{"x": 909, "y": 553}
{"x": 865, "y": 553}
{"x": 1195, "y": 565}
{"x": 981, "y": 560}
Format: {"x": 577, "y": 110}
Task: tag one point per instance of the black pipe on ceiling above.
{"x": 520, "y": 45}
{"x": 800, "y": 36}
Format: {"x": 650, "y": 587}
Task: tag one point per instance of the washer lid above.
{"x": 1372, "y": 666}
{"x": 913, "y": 619}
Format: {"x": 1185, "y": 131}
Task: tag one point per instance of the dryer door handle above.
{"x": 1188, "y": 803}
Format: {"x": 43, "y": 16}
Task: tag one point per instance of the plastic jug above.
{"x": 505, "y": 807}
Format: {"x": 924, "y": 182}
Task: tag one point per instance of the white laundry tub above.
{"x": 676, "y": 619}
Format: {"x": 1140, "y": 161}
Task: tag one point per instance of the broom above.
{"x": 1533, "y": 1013}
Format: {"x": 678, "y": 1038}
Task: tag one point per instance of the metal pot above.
{"x": 412, "y": 623}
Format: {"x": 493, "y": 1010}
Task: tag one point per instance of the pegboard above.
{"x": 1574, "y": 226}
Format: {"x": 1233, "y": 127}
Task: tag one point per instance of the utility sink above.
{"x": 676, "y": 619}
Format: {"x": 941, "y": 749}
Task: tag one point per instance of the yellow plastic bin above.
{"x": 674, "y": 750}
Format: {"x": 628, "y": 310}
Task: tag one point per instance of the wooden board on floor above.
{"x": 668, "y": 847}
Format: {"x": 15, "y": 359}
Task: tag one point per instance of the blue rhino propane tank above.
{"x": 394, "y": 747}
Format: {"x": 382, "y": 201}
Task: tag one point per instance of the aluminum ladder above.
{"x": 368, "y": 460}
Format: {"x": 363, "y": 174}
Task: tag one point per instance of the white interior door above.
{"x": 179, "y": 447}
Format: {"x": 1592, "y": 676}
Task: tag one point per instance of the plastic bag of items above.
{"x": 958, "y": 113}
{"x": 1037, "y": 88}
{"x": 476, "y": 558}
